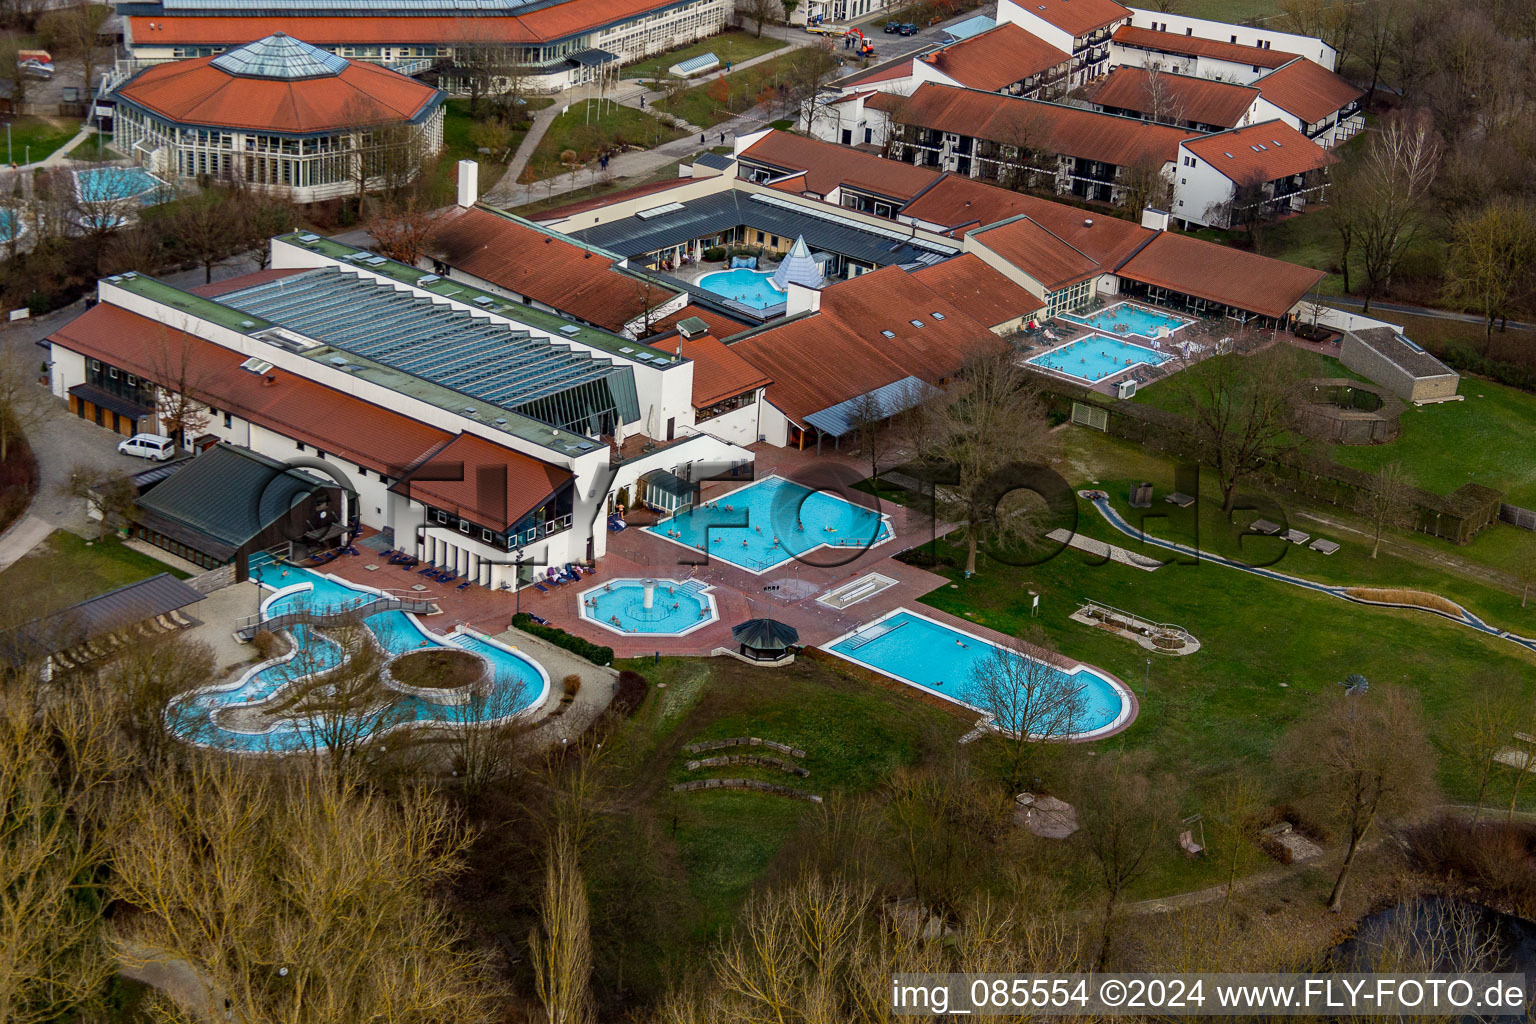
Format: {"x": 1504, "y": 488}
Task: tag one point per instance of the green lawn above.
{"x": 457, "y": 146}
{"x": 1208, "y": 716}
{"x": 32, "y": 138}
{"x": 1482, "y": 439}
{"x": 93, "y": 149}
{"x": 66, "y": 569}
{"x": 733, "y": 46}
{"x": 615, "y": 126}
{"x": 853, "y": 734}
{"x": 703, "y": 106}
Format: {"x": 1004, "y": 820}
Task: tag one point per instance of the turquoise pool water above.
{"x": 1127, "y": 318}
{"x": 749, "y": 287}
{"x": 105, "y": 184}
{"x": 933, "y": 657}
{"x": 677, "y": 607}
{"x": 517, "y": 682}
{"x": 767, "y": 523}
{"x": 7, "y": 225}
{"x": 1096, "y": 357}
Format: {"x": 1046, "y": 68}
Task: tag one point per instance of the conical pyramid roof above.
{"x": 799, "y": 267}
{"x": 280, "y": 56}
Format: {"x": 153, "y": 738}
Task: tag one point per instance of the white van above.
{"x": 148, "y": 446}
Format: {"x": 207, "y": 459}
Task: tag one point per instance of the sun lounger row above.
{"x": 108, "y": 644}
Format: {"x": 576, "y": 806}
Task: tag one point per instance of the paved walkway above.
{"x": 24, "y": 534}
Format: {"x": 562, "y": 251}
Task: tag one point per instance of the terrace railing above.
{"x": 250, "y": 625}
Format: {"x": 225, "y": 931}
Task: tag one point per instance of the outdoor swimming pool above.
{"x": 676, "y": 606}
{"x": 765, "y": 524}
{"x": 516, "y": 682}
{"x": 7, "y": 225}
{"x": 749, "y": 287}
{"x": 920, "y": 652}
{"x": 1097, "y": 357}
{"x": 1127, "y": 318}
{"x": 107, "y": 184}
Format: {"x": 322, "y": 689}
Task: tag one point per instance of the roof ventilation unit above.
{"x": 309, "y": 239}
{"x": 256, "y": 366}
{"x": 570, "y": 329}
{"x": 483, "y": 300}
{"x": 422, "y": 282}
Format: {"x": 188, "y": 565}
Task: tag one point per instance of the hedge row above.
{"x": 1464, "y": 360}
{"x": 560, "y": 638}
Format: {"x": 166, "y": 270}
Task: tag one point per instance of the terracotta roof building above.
{"x": 1222, "y": 279}
{"x": 1194, "y": 55}
{"x": 1004, "y": 59}
{"x": 982, "y": 292}
{"x": 1081, "y": 28}
{"x": 280, "y": 115}
{"x": 1027, "y": 143}
{"x": 848, "y": 177}
{"x": 1269, "y": 167}
{"x": 555, "y": 45}
{"x": 539, "y": 268}
{"x": 1199, "y": 104}
{"x": 1323, "y": 106}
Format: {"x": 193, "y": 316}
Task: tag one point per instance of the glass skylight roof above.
{"x": 280, "y": 56}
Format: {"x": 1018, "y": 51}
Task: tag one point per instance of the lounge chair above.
{"x": 430, "y": 570}
{"x": 541, "y": 620}
{"x": 447, "y": 577}
{"x": 166, "y": 622}
{"x": 463, "y": 585}
{"x": 1188, "y": 845}
{"x": 181, "y": 620}
{"x": 541, "y": 588}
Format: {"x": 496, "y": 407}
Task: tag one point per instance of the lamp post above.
{"x": 517, "y": 579}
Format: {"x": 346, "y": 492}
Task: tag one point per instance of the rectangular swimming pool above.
{"x": 764, "y": 524}
{"x": 1097, "y": 357}
{"x": 931, "y": 656}
{"x": 1127, "y": 319}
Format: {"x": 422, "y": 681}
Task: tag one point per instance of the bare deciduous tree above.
{"x": 1233, "y": 829}
{"x": 1365, "y": 756}
{"x": 989, "y": 418}
{"x": 1031, "y": 700}
{"x": 350, "y": 931}
{"x": 1491, "y": 264}
{"x": 1389, "y": 189}
{"x": 561, "y": 948}
{"x": 179, "y": 379}
{"x": 483, "y": 739}
{"x": 1241, "y": 408}
{"x": 77, "y": 32}
{"x": 23, "y": 404}
{"x": 1480, "y": 731}
{"x": 107, "y": 493}
{"x": 1387, "y": 501}
{"x": 1122, "y": 813}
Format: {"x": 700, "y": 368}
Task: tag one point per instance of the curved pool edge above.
{"x": 1130, "y": 706}
{"x": 185, "y": 698}
{"x": 705, "y": 591}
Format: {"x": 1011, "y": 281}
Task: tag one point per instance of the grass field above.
{"x": 33, "y": 138}
{"x": 615, "y": 126}
{"x": 1269, "y": 649}
{"x": 66, "y": 569}
{"x": 1481, "y": 439}
{"x": 93, "y": 149}
{"x": 702, "y": 104}
{"x": 457, "y": 146}
{"x": 733, "y": 46}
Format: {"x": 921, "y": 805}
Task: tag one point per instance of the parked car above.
{"x": 892, "y": 27}
{"x": 907, "y": 29}
{"x": 148, "y": 446}
{"x": 35, "y": 69}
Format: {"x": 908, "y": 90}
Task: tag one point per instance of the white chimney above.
{"x": 469, "y": 183}
{"x": 1155, "y": 219}
{"x": 802, "y": 300}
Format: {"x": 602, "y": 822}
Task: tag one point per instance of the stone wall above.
{"x": 213, "y": 579}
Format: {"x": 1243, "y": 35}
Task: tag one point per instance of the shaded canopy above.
{"x": 765, "y": 634}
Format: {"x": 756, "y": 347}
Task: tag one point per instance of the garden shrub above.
{"x": 572, "y": 684}
{"x": 560, "y": 638}
{"x": 1464, "y": 360}
{"x": 714, "y": 254}
{"x": 629, "y": 694}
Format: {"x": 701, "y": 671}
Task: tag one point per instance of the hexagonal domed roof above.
{"x": 280, "y": 56}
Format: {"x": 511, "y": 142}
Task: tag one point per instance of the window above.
{"x": 915, "y": 323}
{"x": 463, "y": 527}
{"x": 133, "y": 382}
{"x": 112, "y": 373}
{"x": 488, "y": 536}
{"x": 299, "y": 445}
{"x": 442, "y": 517}
{"x": 362, "y": 473}
{"x": 229, "y": 421}
{"x": 938, "y": 316}
{"x": 96, "y": 365}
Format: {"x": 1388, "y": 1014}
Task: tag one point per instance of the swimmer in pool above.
{"x": 961, "y": 643}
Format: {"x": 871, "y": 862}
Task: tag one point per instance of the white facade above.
{"x": 1202, "y": 194}
{"x": 1090, "y": 53}
{"x": 1311, "y": 47}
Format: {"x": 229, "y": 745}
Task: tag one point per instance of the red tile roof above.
{"x": 969, "y": 283}
{"x": 609, "y": 198}
{"x": 197, "y": 93}
{"x": 1236, "y": 278}
{"x": 490, "y": 485}
{"x": 718, "y": 373}
{"x": 1175, "y": 97}
{"x": 552, "y": 271}
{"x": 1039, "y": 253}
{"x": 958, "y": 203}
{"x": 251, "y": 280}
{"x": 330, "y": 420}
{"x": 883, "y": 73}
{"x": 997, "y": 58}
{"x": 1070, "y": 131}
{"x": 1261, "y": 152}
{"x": 1078, "y": 17}
{"x": 828, "y": 165}
{"x": 850, "y": 356}
{"x": 1308, "y": 90}
{"x": 1194, "y": 46}
{"x": 720, "y": 325}
{"x": 557, "y": 21}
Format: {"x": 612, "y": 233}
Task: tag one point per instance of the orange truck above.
{"x": 41, "y": 56}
